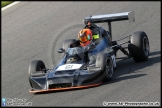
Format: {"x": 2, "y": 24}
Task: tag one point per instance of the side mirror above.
{"x": 61, "y": 50}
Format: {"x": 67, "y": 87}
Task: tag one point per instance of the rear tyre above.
{"x": 139, "y": 47}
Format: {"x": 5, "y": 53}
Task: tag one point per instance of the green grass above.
{"x": 4, "y": 3}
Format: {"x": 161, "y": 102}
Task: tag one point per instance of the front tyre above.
{"x": 109, "y": 69}
{"x": 139, "y": 47}
{"x": 105, "y": 62}
{"x": 36, "y": 68}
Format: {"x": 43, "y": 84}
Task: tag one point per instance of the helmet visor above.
{"x": 83, "y": 39}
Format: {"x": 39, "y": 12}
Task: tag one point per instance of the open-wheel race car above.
{"x": 75, "y": 69}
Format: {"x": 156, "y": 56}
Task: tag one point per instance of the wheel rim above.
{"x": 109, "y": 68}
{"x": 146, "y": 47}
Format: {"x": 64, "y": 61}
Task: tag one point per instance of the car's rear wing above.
{"x": 110, "y": 18}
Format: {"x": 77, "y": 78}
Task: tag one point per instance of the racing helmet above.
{"x": 85, "y": 36}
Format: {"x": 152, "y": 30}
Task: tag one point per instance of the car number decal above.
{"x": 69, "y": 67}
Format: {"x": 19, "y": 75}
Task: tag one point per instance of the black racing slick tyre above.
{"x": 105, "y": 62}
{"x": 139, "y": 46}
{"x": 67, "y": 43}
{"x": 36, "y": 68}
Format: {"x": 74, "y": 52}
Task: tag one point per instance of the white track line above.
{"x": 6, "y": 7}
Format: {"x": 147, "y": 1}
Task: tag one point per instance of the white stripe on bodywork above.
{"x": 69, "y": 67}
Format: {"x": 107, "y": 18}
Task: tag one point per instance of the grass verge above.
{"x": 5, "y": 3}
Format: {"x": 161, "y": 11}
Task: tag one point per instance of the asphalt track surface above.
{"x": 31, "y": 29}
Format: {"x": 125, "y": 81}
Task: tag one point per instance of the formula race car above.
{"x": 75, "y": 71}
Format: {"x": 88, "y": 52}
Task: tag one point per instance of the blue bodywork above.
{"x": 74, "y": 77}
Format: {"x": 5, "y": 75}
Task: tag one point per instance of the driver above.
{"x": 85, "y": 37}
{"x": 91, "y": 35}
